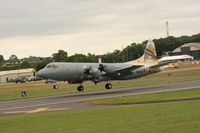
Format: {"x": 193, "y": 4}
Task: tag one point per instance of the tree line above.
{"x": 131, "y": 52}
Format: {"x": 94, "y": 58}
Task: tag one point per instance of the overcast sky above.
{"x": 42, "y": 27}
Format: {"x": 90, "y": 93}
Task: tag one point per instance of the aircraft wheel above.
{"x": 80, "y": 88}
{"x": 95, "y": 82}
{"x": 108, "y": 86}
{"x": 55, "y": 86}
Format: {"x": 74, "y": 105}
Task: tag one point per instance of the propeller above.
{"x": 86, "y": 72}
{"x": 101, "y": 67}
{"x": 92, "y": 73}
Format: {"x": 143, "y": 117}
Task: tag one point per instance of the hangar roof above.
{"x": 193, "y": 47}
{"x": 16, "y": 71}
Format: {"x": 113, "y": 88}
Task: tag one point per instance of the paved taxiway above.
{"x": 77, "y": 100}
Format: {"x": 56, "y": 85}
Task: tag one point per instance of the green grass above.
{"x": 166, "y": 118}
{"x": 153, "y": 97}
{"x": 12, "y": 91}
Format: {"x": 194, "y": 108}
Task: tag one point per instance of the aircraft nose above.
{"x": 41, "y": 74}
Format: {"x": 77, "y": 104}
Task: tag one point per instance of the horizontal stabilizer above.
{"x": 160, "y": 65}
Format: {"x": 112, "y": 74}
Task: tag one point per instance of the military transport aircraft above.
{"x": 77, "y": 73}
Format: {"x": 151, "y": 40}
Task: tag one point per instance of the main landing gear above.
{"x": 55, "y": 86}
{"x": 80, "y": 88}
{"x": 108, "y": 86}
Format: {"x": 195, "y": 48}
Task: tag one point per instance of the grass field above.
{"x": 12, "y": 91}
{"x": 166, "y": 118}
{"x": 145, "y": 118}
{"x": 178, "y": 95}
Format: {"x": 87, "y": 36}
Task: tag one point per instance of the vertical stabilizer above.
{"x": 149, "y": 56}
{"x": 150, "y": 52}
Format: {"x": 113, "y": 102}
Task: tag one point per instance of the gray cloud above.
{"x": 42, "y": 17}
{"x": 94, "y": 22}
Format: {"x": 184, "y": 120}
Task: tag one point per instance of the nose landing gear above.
{"x": 108, "y": 86}
{"x": 80, "y": 88}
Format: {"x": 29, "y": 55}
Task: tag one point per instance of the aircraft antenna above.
{"x": 99, "y": 60}
{"x": 123, "y": 53}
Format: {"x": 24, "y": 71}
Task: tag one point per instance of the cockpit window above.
{"x": 49, "y": 66}
{"x": 52, "y": 66}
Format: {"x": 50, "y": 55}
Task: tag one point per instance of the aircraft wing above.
{"x": 123, "y": 71}
{"x": 128, "y": 69}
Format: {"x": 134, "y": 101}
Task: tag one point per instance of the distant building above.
{"x": 176, "y": 58}
{"x": 31, "y": 60}
{"x": 192, "y": 49}
{"x": 34, "y": 60}
{"x": 6, "y": 76}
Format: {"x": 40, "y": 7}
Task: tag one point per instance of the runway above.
{"x": 78, "y": 100}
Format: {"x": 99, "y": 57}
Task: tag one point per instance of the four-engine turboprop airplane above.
{"x": 77, "y": 73}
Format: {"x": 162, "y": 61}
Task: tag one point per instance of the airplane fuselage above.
{"x": 76, "y": 72}
{"x": 97, "y": 72}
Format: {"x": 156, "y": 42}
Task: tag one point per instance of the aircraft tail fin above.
{"x": 150, "y": 52}
{"x": 149, "y": 56}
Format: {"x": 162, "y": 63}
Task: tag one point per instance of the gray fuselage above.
{"x": 76, "y": 72}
